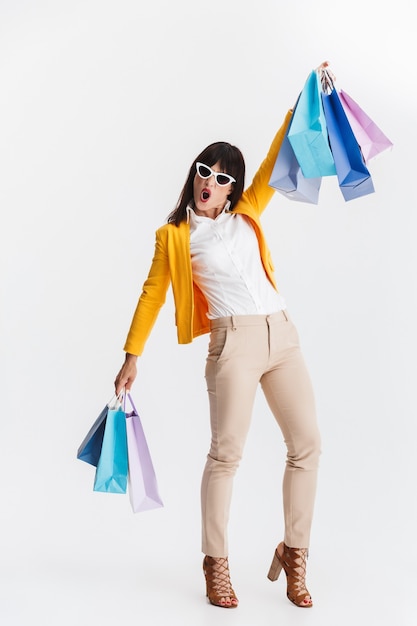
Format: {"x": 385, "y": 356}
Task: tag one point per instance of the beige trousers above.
{"x": 244, "y": 351}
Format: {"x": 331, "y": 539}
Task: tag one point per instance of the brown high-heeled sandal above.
{"x": 218, "y": 586}
{"x": 294, "y": 562}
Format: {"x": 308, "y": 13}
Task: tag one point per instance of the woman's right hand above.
{"x": 126, "y": 377}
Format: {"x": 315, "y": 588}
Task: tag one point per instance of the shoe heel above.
{"x": 275, "y": 569}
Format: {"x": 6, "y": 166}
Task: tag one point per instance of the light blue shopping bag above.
{"x": 308, "y": 132}
{"x": 112, "y": 467}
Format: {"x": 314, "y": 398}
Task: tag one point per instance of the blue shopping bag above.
{"x": 112, "y": 468}
{"x": 308, "y": 132}
{"x": 354, "y": 177}
{"x": 90, "y": 448}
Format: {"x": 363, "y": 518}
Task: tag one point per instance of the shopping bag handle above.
{"x": 327, "y": 78}
{"x": 132, "y": 403}
{"x": 126, "y": 394}
{"x": 115, "y": 401}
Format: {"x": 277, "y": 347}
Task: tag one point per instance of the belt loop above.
{"x": 285, "y": 315}
{"x": 233, "y": 322}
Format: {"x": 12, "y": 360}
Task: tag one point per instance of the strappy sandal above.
{"x": 294, "y": 562}
{"x": 218, "y": 586}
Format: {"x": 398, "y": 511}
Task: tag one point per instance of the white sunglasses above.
{"x": 204, "y": 171}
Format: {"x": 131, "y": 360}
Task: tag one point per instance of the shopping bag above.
{"x": 308, "y": 132}
{"x": 368, "y": 135}
{"x": 112, "y": 467}
{"x": 90, "y": 448}
{"x": 142, "y": 483}
{"x": 353, "y": 175}
{"x": 288, "y": 179}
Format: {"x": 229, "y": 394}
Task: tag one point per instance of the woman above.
{"x": 213, "y": 252}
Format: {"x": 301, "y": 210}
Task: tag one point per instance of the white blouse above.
{"x": 227, "y": 266}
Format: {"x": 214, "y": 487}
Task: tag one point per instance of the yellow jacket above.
{"x": 172, "y": 264}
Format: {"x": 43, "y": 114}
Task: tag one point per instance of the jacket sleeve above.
{"x": 151, "y": 299}
{"x": 259, "y": 193}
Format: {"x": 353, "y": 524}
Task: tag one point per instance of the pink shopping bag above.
{"x": 368, "y": 135}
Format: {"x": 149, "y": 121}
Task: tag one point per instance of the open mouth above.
{"x": 205, "y": 195}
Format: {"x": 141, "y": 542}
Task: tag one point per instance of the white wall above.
{"x": 103, "y": 105}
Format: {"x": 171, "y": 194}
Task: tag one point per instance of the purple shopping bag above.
{"x": 369, "y": 136}
{"x": 142, "y": 483}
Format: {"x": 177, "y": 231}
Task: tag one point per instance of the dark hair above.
{"x": 231, "y": 161}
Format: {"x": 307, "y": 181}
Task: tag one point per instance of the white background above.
{"x": 103, "y": 106}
